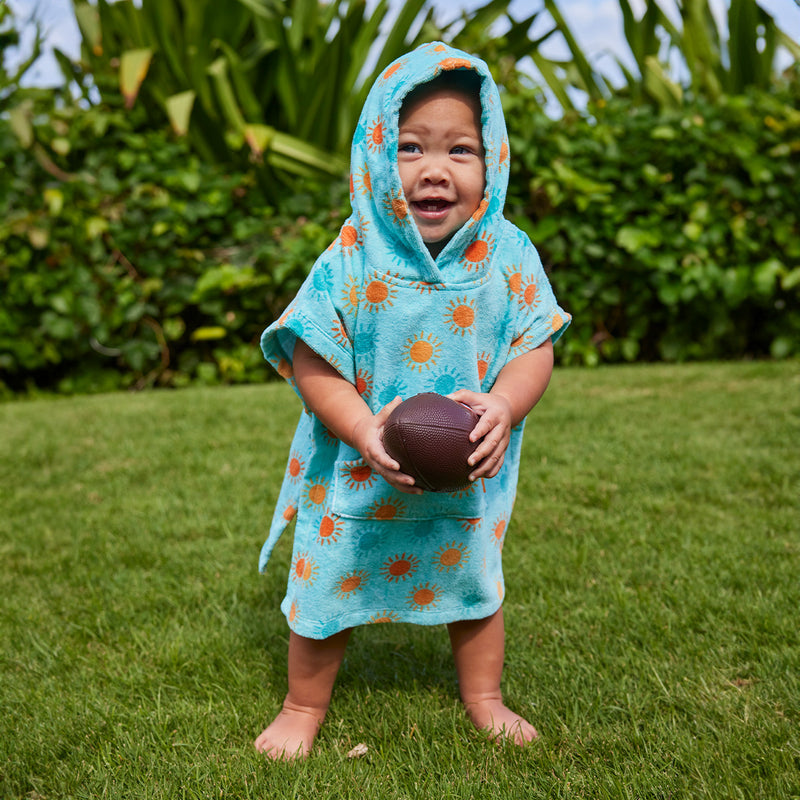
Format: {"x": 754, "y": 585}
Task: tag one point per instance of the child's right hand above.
{"x": 367, "y": 439}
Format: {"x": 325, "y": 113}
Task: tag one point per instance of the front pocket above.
{"x": 360, "y": 493}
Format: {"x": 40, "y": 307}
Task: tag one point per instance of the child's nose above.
{"x": 435, "y": 170}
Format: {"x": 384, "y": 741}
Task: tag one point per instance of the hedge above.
{"x": 127, "y": 262}
{"x": 670, "y": 235}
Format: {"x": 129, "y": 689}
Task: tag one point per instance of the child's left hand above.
{"x": 494, "y": 427}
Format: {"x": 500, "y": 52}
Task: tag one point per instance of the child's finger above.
{"x": 383, "y": 414}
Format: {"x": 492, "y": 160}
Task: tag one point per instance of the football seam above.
{"x": 417, "y": 471}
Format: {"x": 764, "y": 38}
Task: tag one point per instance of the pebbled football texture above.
{"x": 428, "y": 435}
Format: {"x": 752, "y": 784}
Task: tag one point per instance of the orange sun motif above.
{"x": 451, "y": 556}
{"x": 499, "y": 532}
{"x": 425, "y": 287}
{"x": 350, "y": 237}
{"x": 503, "y": 154}
{"x": 396, "y": 207}
{"x": 304, "y": 569}
{"x": 522, "y": 342}
{"x": 558, "y": 322}
{"x": 361, "y": 180}
{"x": 513, "y": 276}
{"x": 339, "y": 333}
{"x": 460, "y": 315}
{"x": 316, "y": 492}
{"x": 293, "y": 612}
{"x": 424, "y": 596}
{"x": 529, "y": 294}
{"x": 399, "y": 567}
{"x": 480, "y": 210}
{"x": 364, "y": 384}
{"x": 330, "y": 529}
{"x": 375, "y": 140}
{"x": 358, "y": 475}
{"x": 351, "y": 583}
{"x": 350, "y": 295}
{"x": 455, "y": 63}
{"x": 386, "y": 508}
{"x": 385, "y": 616}
{"x": 379, "y": 294}
{"x": 392, "y": 69}
{"x": 470, "y": 524}
{"x": 484, "y": 360}
{"x": 289, "y": 513}
{"x": 285, "y": 369}
{"x": 477, "y": 253}
{"x": 421, "y": 351}
{"x": 295, "y": 468}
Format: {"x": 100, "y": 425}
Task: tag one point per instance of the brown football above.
{"x": 428, "y": 435}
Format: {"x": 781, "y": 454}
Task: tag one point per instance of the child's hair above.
{"x": 463, "y": 81}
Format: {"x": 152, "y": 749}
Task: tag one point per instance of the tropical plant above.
{"x": 10, "y": 39}
{"x": 712, "y": 63}
{"x": 267, "y": 78}
{"x": 280, "y": 80}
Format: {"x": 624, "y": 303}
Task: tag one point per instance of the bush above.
{"x": 671, "y": 235}
{"x": 129, "y": 262}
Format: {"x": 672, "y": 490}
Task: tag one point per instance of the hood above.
{"x": 380, "y": 213}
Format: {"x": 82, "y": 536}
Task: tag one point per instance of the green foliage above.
{"x": 283, "y": 82}
{"x": 133, "y": 256}
{"x": 670, "y": 235}
{"x": 130, "y": 262}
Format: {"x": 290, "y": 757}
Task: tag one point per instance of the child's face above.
{"x": 441, "y": 162}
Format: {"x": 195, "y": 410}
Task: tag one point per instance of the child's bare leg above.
{"x": 313, "y": 665}
{"x": 478, "y": 651}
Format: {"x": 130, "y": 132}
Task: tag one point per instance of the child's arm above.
{"x": 517, "y": 389}
{"x": 342, "y": 410}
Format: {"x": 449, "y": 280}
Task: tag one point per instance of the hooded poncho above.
{"x": 395, "y": 322}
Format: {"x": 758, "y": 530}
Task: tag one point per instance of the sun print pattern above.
{"x": 425, "y": 596}
{"x": 379, "y": 293}
{"x": 421, "y": 352}
{"x": 375, "y": 135}
{"x": 451, "y": 556}
{"x": 386, "y": 508}
{"x": 296, "y": 467}
{"x": 304, "y": 569}
{"x": 400, "y": 567}
{"x": 460, "y": 316}
{"x": 396, "y": 207}
{"x": 353, "y": 582}
{"x": 358, "y": 475}
{"x": 330, "y": 528}
{"x": 394, "y": 327}
{"x": 478, "y": 253}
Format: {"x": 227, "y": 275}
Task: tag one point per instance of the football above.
{"x": 428, "y": 435}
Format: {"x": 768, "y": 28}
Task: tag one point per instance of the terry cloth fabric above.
{"x": 395, "y": 322}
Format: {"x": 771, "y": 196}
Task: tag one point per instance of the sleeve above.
{"x": 315, "y": 317}
{"x": 535, "y": 313}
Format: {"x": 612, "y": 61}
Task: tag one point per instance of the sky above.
{"x": 596, "y": 24}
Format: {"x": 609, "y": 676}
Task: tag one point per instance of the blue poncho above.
{"x": 395, "y": 322}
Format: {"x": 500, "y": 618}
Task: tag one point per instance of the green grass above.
{"x": 652, "y": 568}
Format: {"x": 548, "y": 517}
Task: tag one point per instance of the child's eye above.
{"x": 409, "y": 147}
{"x": 460, "y": 150}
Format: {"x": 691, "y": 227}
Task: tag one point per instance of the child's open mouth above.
{"x": 432, "y": 207}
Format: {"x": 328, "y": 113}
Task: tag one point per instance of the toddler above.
{"x": 426, "y": 288}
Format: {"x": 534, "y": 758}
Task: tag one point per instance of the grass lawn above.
{"x": 652, "y": 610}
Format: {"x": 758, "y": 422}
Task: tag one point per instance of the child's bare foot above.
{"x": 501, "y": 722}
{"x": 291, "y": 734}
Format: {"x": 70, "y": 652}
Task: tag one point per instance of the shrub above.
{"x": 129, "y": 262}
{"x": 671, "y": 235}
